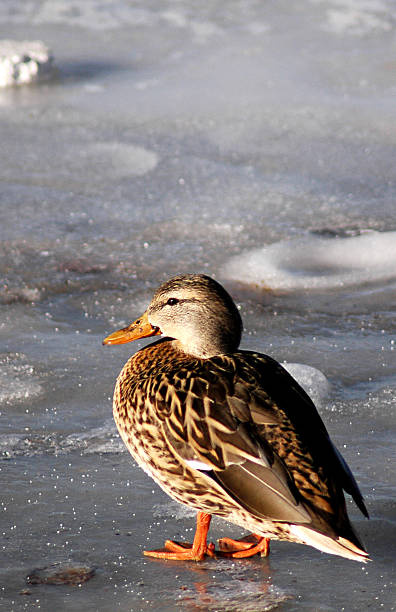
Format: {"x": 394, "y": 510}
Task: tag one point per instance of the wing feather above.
{"x": 259, "y": 436}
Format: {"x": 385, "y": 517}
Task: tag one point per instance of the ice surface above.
{"x": 315, "y": 262}
{"x": 17, "y": 380}
{"x": 183, "y": 137}
{"x": 24, "y": 62}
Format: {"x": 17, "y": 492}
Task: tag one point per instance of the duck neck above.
{"x": 203, "y": 350}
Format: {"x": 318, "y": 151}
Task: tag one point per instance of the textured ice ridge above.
{"x": 99, "y": 440}
{"x": 18, "y": 383}
{"x": 24, "y": 62}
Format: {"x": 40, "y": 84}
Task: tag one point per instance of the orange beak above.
{"x": 141, "y": 328}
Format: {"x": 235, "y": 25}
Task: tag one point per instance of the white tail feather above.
{"x": 340, "y": 546}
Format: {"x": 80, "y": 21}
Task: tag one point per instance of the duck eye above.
{"x": 172, "y": 301}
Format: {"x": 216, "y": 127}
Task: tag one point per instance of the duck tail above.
{"x": 334, "y": 546}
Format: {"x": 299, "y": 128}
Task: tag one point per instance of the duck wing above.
{"x": 296, "y": 407}
{"x": 246, "y": 423}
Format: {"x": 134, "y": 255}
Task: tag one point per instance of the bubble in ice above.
{"x": 317, "y": 262}
{"x": 61, "y": 573}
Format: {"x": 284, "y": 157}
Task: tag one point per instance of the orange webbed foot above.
{"x": 248, "y": 546}
{"x": 197, "y": 551}
{"x": 178, "y": 551}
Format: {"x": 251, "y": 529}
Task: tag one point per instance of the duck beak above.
{"x": 141, "y": 328}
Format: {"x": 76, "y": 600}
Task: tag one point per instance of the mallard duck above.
{"x": 227, "y": 431}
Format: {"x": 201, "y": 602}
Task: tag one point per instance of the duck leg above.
{"x": 196, "y": 551}
{"x": 248, "y": 546}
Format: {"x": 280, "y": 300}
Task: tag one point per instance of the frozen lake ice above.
{"x": 252, "y": 141}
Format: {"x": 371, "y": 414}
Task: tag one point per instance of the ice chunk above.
{"x": 313, "y": 381}
{"x": 24, "y": 62}
{"x": 316, "y": 262}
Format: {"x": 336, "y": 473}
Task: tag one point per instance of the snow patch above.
{"x": 123, "y": 159}
{"x": 315, "y": 262}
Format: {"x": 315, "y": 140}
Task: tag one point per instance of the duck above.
{"x": 229, "y": 432}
